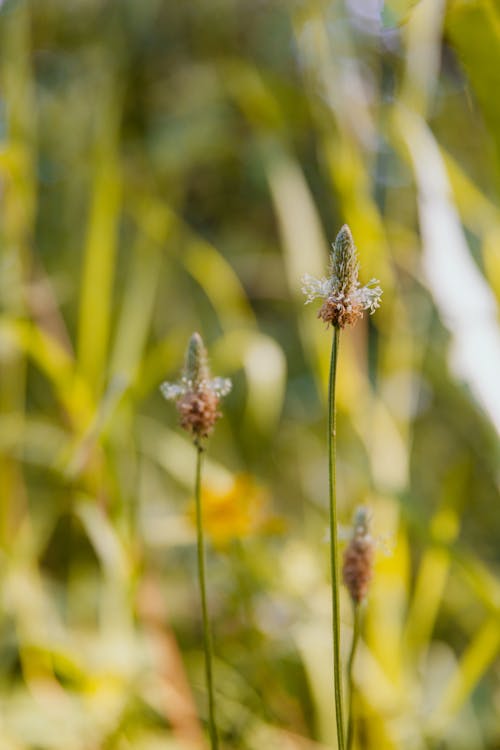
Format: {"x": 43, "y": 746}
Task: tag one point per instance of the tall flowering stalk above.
{"x": 357, "y": 570}
{"x": 197, "y": 396}
{"x": 345, "y": 300}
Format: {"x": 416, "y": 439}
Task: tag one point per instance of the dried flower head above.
{"x": 358, "y": 557}
{"x": 196, "y": 394}
{"x": 345, "y": 298}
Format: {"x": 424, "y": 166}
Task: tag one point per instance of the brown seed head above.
{"x": 197, "y": 394}
{"x": 357, "y": 568}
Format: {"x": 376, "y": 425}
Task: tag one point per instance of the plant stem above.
{"x": 207, "y": 634}
{"x": 332, "y": 476}
{"x": 350, "y": 684}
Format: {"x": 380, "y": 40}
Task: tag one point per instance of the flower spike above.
{"x": 357, "y": 569}
{"x": 197, "y": 394}
{"x": 345, "y": 298}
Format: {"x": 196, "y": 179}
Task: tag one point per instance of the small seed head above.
{"x": 357, "y": 569}
{"x": 197, "y": 394}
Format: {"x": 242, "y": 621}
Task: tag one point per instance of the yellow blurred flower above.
{"x": 237, "y": 510}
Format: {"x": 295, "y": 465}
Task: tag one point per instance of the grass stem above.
{"x": 207, "y": 634}
{"x": 332, "y": 476}
{"x": 350, "y": 683}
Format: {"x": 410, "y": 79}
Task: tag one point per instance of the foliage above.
{"x": 175, "y": 167}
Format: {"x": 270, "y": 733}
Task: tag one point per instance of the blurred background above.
{"x": 167, "y": 167}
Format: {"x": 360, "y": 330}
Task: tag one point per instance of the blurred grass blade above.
{"x": 304, "y": 244}
{"x": 314, "y": 643}
{"x": 474, "y": 30}
{"x": 159, "y": 362}
{"x": 265, "y": 368}
{"x": 57, "y": 365}
{"x": 435, "y": 565}
{"x": 422, "y": 32}
{"x": 155, "y": 222}
{"x": 96, "y": 293}
{"x": 138, "y": 301}
{"x": 17, "y": 219}
{"x": 219, "y": 282}
{"x": 389, "y": 593}
{"x": 304, "y": 247}
{"x": 477, "y": 659}
{"x": 248, "y": 88}
{"x": 429, "y": 589}
{"x": 482, "y": 581}
{"x": 176, "y": 455}
{"x": 34, "y": 440}
{"x": 104, "y": 539}
{"x": 450, "y": 269}
{"x": 477, "y": 210}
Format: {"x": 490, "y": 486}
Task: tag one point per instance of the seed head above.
{"x": 196, "y": 394}
{"x": 357, "y": 568}
{"x": 344, "y": 297}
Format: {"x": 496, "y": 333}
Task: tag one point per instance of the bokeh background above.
{"x": 171, "y": 166}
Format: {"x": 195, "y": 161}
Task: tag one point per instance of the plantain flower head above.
{"x": 345, "y": 299}
{"x": 357, "y": 567}
{"x": 197, "y": 394}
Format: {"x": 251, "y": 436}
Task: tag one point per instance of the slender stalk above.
{"x": 332, "y": 476}
{"x": 350, "y": 683}
{"x": 207, "y": 634}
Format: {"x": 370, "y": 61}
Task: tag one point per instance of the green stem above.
{"x": 350, "y": 683}
{"x": 332, "y": 476}
{"x": 207, "y": 634}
